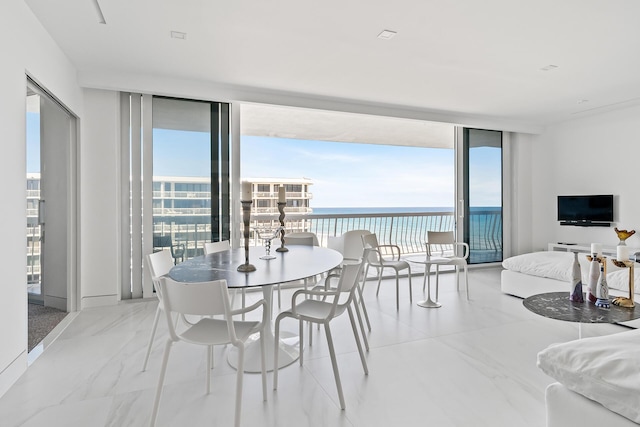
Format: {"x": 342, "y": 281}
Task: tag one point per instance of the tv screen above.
{"x": 585, "y": 208}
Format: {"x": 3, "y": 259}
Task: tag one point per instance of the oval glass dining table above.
{"x": 298, "y": 263}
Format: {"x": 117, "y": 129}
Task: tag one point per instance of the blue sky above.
{"x": 344, "y": 174}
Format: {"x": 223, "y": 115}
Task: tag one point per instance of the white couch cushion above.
{"x": 554, "y": 265}
{"x": 605, "y": 369}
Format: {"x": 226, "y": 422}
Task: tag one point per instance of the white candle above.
{"x": 596, "y": 248}
{"x": 246, "y": 191}
{"x": 282, "y": 197}
{"x": 622, "y": 253}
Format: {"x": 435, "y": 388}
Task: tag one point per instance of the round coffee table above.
{"x": 558, "y": 306}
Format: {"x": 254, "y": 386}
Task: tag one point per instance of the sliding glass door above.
{"x": 480, "y": 195}
{"x": 182, "y": 198}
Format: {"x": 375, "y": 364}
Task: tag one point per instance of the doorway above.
{"x": 50, "y": 149}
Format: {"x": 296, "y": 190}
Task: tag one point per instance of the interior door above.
{"x": 55, "y": 141}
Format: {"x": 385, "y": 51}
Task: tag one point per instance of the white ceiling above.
{"x": 464, "y": 57}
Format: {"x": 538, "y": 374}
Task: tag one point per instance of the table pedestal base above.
{"x": 429, "y": 303}
{"x": 289, "y": 352}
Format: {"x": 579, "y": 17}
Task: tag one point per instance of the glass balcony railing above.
{"x": 407, "y": 230}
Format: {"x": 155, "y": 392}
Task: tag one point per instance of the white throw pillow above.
{"x": 605, "y": 369}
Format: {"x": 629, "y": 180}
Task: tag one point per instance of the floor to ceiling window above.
{"x": 181, "y": 199}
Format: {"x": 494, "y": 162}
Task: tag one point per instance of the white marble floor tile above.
{"x": 469, "y": 363}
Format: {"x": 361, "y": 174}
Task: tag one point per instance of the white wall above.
{"x": 99, "y": 193}
{"x": 591, "y": 155}
{"x": 25, "y": 48}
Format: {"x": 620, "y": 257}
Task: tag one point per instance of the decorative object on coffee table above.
{"x": 596, "y": 259}
{"x": 575, "y": 294}
{"x": 624, "y": 235}
{"x": 602, "y": 290}
{"x": 622, "y": 301}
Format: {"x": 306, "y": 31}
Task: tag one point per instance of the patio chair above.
{"x": 178, "y": 250}
{"x": 375, "y": 259}
{"x": 443, "y": 244}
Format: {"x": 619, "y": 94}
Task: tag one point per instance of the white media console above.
{"x": 586, "y": 248}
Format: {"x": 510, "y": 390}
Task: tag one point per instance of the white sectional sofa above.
{"x": 598, "y": 381}
{"x": 550, "y": 271}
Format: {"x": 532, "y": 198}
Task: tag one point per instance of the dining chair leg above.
{"x": 364, "y": 276}
{"x": 310, "y": 334}
{"x": 239, "y": 376}
{"x": 379, "y": 280}
{"x": 358, "y": 344}
{"x": 334, "y": 363}
{"x": 209, "y": 367}
{"x": 364, "y": 307}
{"x": 263, "y": 364}
{"x": 466, "y": 280}
{"x": 276, "y": 351}
{"x": 301, "y": 338}
{"x": 364, "y": 334}
{"x": 437, "y": 280}
{"x": 457, "y": 278}
{"x": 397, "y": 291}
{"x": 153, "y": 334}
{"x": 163, "y": 370}
{"x": 410, "y": 285}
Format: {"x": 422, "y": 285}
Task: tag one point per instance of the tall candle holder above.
{"x": 622, "y": 301}
{"x": 281, "y": 206}
{"x": 246, "y": 219}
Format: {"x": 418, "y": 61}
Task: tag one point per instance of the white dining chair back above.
{"x": 213, "y": 247}
{"x": 376, "y": 259}
{"x": 208, "y": 299}
{"x": 302, "y": 237}
{"x": 334, "y": 302}
{"x": 298, "y": 240}
{"x": 443, "y": 244}
{"x": 159, "y": 264}
{"x": 352, "y": 245}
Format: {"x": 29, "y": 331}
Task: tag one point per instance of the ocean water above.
{"x": 332, "y": 211}
{"x": 485, "y": 224}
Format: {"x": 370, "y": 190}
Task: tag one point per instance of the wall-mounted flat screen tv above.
{"x": 585, "y": 209}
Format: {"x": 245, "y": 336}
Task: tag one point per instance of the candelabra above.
{"x": 622, "y": 301}
{"x": 281, "y": 206}
{"x": 246, "y": 219}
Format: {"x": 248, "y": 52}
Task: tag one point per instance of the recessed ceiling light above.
{"x": 583, "y": 101}
{"x": 549, "y": 67}
{"x": 387, "y": 34}
{"x": 178, "y": 35}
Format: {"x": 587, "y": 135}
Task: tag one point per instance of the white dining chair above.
{"x": 224, "y": 245}
{"x": 350, "y": 245}
{"x": 334, "y": 302}
{"x": 376, "y": 259}
{"x": 443, "y": 244}
{"x": 212, "y": 247}
{"x": 159, "y": 264}
{"x": 209, "y": 299}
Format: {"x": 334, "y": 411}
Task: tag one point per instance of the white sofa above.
{"x": 598, "y": 381}
{"x": 551, "y": 271}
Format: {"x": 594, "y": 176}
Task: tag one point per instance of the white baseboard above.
{"x": 99, "y": 301}
{"x": 12, "y": 372}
